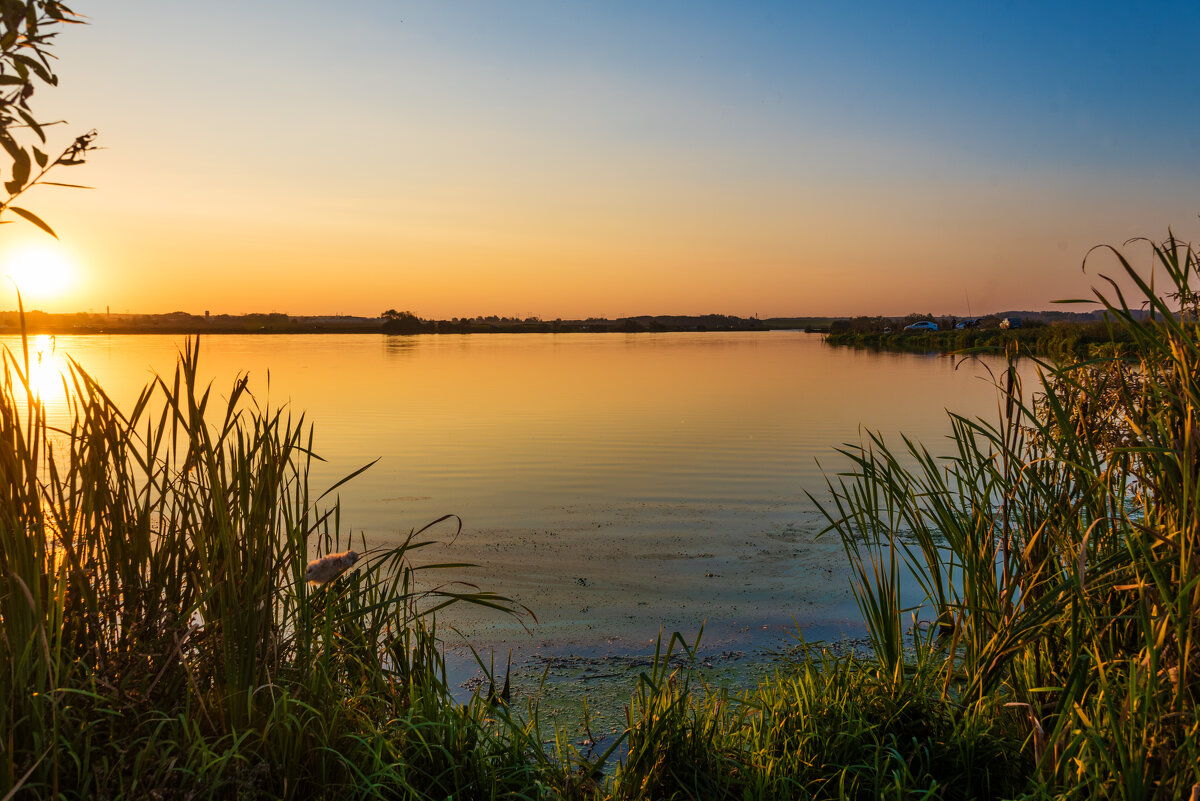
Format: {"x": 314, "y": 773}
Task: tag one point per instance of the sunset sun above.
{"x": 41, "y": 272}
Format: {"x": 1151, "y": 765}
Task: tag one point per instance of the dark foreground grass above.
{"x": 158, "y": 639}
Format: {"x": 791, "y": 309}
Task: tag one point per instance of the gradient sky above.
{"x": 614, "y": 158}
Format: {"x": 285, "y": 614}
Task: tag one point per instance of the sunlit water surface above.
{"x": 614, "y": 484}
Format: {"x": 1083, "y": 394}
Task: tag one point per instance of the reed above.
{"x": 826, "y": 728}
{"x": 157, "y": 633}
{"x": 1055, "y": 553}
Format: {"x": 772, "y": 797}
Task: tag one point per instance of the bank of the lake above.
{"x": 1056, "y": 340}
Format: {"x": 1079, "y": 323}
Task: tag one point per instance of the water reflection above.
{"x": 612, "y": 482}
{"x": 43, "y": 378}
{"x": 398, "y": 346}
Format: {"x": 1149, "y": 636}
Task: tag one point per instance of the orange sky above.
{"x": 459, "y": 160}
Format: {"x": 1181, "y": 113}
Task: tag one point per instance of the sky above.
{"x": 570, "y": 159}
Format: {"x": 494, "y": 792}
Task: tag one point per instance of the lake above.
{"x": 615, "y": 484}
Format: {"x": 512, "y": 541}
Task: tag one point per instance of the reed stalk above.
{"x": 156, "y": 630}
{"x": 1055, "y": 551}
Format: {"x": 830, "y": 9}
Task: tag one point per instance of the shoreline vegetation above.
{"x": 391, "y": 322}
{"x": 1058, "y": 339}
{"x": 1040, "y": 329}
{"x": 158, "y": 637}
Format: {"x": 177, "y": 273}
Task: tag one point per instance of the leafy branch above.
{"x": 27, "y": 29}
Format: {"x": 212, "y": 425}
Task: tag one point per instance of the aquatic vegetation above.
{"x": 158, "y": 632}
{"x": 1056, "y": 553}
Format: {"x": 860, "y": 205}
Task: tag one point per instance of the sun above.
{"x": 41, "y": 272}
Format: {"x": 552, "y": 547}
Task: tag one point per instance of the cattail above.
{"x": 327, "y": 567}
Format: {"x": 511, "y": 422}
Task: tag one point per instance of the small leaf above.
{"x": 40, "y": 157}
{"x": 37, "y": 67}
{"x": 9, "y": 145}
{"x": 20, "y": 174}
{"x": 10, "y": 79}
{"x": 33, "y": 218}
{"x": 33, "y": 124}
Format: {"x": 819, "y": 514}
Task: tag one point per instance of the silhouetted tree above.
{"x": 404, "y": 322}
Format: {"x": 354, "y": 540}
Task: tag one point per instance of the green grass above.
{"x": 158, "y": 639}
{"x": 828, "y": 728}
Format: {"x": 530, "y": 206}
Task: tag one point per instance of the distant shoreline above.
{"x": 845, "y": 330}
{"x": 42, "y": 323}
{"x": 1058, "y": 340}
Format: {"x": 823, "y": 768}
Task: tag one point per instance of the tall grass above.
{"x": 156, "y": 631}
{"x": 826, "y": 728}
{"x": 1056, "y": 553}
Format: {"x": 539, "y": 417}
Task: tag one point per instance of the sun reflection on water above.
{"x": 48, "y": 367}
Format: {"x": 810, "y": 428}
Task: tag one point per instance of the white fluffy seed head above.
{"x": 327, "y": 567}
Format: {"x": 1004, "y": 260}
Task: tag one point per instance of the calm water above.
{"x": 613, "y": 483}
